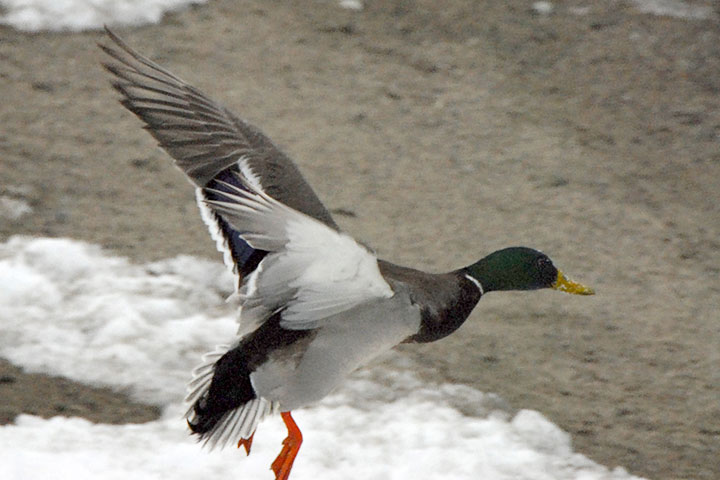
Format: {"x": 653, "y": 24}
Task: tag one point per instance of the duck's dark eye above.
{"x": 547, "y": 270}
{"x": 542, "y": 262}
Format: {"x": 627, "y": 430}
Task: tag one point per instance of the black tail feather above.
{"x": 230, "y": 387}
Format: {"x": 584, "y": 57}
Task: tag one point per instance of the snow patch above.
{"x": 674, "y": 8}
{"x": 77, "y": 15}
{"x": 67, "y": 309}
{"x": 543, "y": 8}
{"x": 13, "y": 208}
{"x": 356, "y": 5}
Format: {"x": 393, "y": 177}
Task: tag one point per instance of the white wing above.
{"x": 312, "y": 271}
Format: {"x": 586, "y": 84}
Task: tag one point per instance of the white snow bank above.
{"x": 76, "y": 15}
{"x": 67, "y": 308}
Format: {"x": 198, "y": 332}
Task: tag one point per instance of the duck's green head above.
{"x": 522, "y": 268}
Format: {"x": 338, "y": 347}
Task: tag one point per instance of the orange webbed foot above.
{"x": 246, "y": 442}
{"x": 291, "y": 445}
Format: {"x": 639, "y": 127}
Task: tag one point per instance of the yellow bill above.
{"x": 564, "y": 284}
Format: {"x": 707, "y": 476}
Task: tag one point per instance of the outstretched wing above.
{"x": 311, "y": 272}
{"x": 208, "y": 142}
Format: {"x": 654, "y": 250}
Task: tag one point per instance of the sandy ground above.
{"x": 436, "y": 134}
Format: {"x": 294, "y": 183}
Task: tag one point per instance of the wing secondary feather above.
{"x": 311, "y": 272}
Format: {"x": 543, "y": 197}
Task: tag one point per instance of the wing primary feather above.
{"x": 174, "y": 110}
{"x": 140, "y": 58}
{"x": 176, "y": 105}
{"x": 189, "y": 126}
{"x": 210, "y": 157}
{"x": 123, "y": 86}
{"x": 126, "y": 69}
{"x": 201, "y": 139}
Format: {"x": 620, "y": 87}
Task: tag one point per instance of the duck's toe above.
{"x": 246, "y": 442}
{"x": 291, "y": 445}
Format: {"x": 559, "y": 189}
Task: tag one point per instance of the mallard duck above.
{"x": 314, "y": 304}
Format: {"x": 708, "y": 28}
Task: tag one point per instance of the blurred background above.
{"x": 436, "y": 132}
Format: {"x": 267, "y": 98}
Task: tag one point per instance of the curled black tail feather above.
{"x": 230, "y": 387}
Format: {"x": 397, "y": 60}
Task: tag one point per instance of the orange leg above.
{"x": 246, "y": 442}
{"x": 291, "y": 445}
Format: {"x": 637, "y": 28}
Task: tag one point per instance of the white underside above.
{"x": 348, "y": 341}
